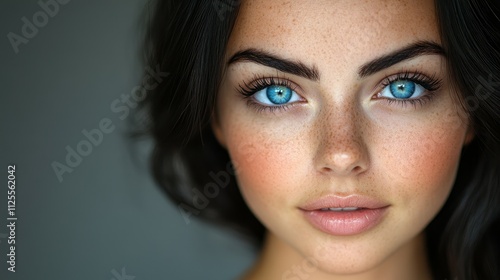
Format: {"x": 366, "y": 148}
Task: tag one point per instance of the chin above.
{"x": 347, "y": 264}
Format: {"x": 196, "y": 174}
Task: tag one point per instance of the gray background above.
{"x": 106, "y": 214}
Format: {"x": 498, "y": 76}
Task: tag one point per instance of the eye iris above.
{"x": 279, "y": 94}
{"x": 402, "y": 89}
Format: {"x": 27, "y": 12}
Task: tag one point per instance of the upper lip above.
{"x": 335, "y": 201}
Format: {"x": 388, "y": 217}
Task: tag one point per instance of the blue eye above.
{"x": 276, "y": 95}
{"x": 402, "y": 89}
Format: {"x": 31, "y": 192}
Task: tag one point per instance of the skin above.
{"x": 340, "y": 137}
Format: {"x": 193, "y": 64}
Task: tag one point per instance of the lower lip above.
{"x": 345, "y": 222}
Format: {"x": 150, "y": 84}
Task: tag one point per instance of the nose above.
{"x": 341, "y": 148}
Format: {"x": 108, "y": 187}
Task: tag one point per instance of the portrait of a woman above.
{"x": 356, "y": 139}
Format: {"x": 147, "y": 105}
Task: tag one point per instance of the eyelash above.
{"x": 259, "y": 83}
{"x": 430, "y": 84}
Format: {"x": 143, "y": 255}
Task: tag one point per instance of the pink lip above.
{"x": 370, "y": 213}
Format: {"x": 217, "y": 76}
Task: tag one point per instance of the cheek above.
{"x": 269, "y": 167}
{"x": 421, "y": 166}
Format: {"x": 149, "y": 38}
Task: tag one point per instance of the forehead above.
{"x": 319, "y": 30}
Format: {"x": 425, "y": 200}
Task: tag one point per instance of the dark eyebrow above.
{"x": 312, "y": 73}
{"x": 411, "y": 51}
{"x": 281, "y": 64}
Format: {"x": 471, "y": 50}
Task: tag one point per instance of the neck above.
{"x": 280, "y": 261}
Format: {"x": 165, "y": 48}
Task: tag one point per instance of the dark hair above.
{"x": 187, "y": 39}
{"x": 464, "y": 238}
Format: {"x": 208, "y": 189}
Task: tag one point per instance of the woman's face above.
{"x": 343, "y": 105}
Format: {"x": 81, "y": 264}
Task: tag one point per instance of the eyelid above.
{"x": 248, "y": 89}
{"x": 430, "y": 83}
{"x": 258, "y": 83}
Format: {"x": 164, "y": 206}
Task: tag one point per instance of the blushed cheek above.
{"x": 265, "y": 169}
{"x": 427, "y": 166}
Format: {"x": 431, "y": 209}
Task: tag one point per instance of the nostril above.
{"x": 333, "y": 158}
{"x": 357, "y": 169}
{"x": 354, "y": 170}
{"x": 326, "y": 170}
